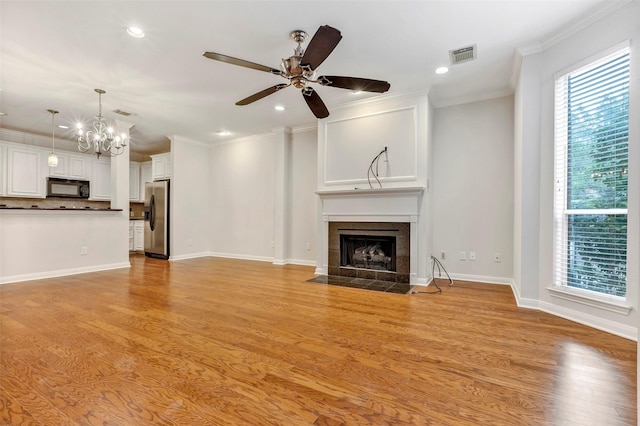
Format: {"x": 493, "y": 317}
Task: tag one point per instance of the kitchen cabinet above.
{"x": 26, "y": 169}
{"x": 161, "y": 166}
{"x": 134, "y": 181}
{"x": 138, "y": 235}
{"x": 131, "y": 234}
{"x": 71, "y": 166}
{"x": 146, "y": 175}
{"x": 100, "y": 179}
{"x": 3, "y": 170}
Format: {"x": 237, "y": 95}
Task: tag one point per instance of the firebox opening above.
{"x": 368, "y": 252}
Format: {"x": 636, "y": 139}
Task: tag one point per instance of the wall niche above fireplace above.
{"x": 371, "y": 250}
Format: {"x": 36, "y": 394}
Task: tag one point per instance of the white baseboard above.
{"x": 301, "y": 262}
{"x": 262, "y": 259}
{"x": 522, "y": 302}
{"x": 602, "y": 324}
{"x": 593, "y": 321}
{"x": 241, "y": 257}
{"x": 479, "y": 279}
{"x": 62, "y": 272}
{"x": 189, "y": 256}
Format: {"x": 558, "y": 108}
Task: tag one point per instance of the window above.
{"x": 591, "y": 160}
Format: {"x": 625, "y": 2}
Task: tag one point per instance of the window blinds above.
{"x": 591, "y": 175}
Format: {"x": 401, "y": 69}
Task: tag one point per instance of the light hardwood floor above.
{"x": 218, "y": 341}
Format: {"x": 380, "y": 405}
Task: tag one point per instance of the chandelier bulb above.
{"x": 103, "y": 138}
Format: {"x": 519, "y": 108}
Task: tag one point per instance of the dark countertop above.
{"x": 136, "y": 218}
{"x": 62, "y": 209}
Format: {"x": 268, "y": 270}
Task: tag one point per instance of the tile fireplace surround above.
{"x": 388, "y": 208}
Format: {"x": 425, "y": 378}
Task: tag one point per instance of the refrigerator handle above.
{"x": 152, "y": 212}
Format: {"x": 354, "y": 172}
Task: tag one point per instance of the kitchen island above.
{"x": 45, "y": 238}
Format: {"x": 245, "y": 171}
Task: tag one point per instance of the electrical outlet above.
{"x": 497, "y": 257}
{"x": 84, "y": 250}
{"x": 443, "y": 255}
{"x": 463, "y": 256}
{"x": 189, "y": 242}
{"x": 472, "y": 255}
{"x": 307, "y": 245}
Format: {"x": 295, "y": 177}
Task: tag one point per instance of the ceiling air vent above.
{"x": 121, "y": 112}
{"x": 464, "y": 54}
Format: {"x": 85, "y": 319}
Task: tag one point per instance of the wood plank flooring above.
{"x": 229, "y": 342}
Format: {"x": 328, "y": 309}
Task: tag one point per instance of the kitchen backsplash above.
{"x": 136, "y": 210}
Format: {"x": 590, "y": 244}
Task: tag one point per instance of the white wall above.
{"x": 537, "y": 77}
{"x": 527, "y": 112}
{"x": 189, "y": 222}
{"x": 303, "y": 200}
{"x": 246, "y": 211}
{"x": 42, "y": 244}
{"x": 473, "y": 189}
{"x": 242, "y": 198}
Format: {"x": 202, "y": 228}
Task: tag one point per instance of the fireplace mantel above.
{"x": 399, "y": 204}
{"x": 383, "y": 203}
{"x": 373, "y": 192}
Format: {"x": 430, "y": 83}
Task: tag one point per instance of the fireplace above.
{"x": 387, "y": 212}
{"x": 371, "y": 250}
{"x": 377, "y": 252}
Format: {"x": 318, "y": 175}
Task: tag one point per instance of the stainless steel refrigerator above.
{"x": 156, "y": 219}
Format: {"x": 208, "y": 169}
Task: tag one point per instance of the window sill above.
{"x": 619, "y": 307}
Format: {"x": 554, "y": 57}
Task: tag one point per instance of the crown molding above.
{"x": 595, "y": 16}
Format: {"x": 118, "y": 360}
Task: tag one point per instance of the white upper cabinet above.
{"x": 3, "y": 170}
{"x": 161, "y": 166}
{"x": 26, "y": 170}
{"x": 134, "y": 181}
{"x": 71, "y": 166}
{"x": 100, "y": 179}
{"x": 146, "y": 175}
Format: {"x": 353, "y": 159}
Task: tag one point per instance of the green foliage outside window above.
{"x": 597, "y": 179}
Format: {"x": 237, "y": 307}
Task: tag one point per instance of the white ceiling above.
{"x": 55, "y": 53}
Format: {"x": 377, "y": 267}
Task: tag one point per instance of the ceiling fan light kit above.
{"x": 300, "y": 69}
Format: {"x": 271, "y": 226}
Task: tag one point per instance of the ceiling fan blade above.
{"x": 321, "y": 45}
{"x": 262, "y": 94}
{"x": 318, "y": 108}
{"x": 240, "y": 62}
{"x": 354, "y": 83}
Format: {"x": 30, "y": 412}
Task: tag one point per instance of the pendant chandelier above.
{"x": 52, "y": 161}
{"x": 103, "y": 139}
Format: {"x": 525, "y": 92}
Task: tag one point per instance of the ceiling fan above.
{"x": 300, "y": 69}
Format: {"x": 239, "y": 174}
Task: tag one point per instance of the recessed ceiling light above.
{"x": 279, "y": 108}
{"x": 223, "y": 132}
{"x": 2, "y": 113}
{"x": 442, "y": 70}
{"x": 135, "y": 32}
{"x": 357, "y": 92}
{"x": 62, "y": 126}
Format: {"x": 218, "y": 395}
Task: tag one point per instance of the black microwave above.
{"x": 67, "y": 188}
